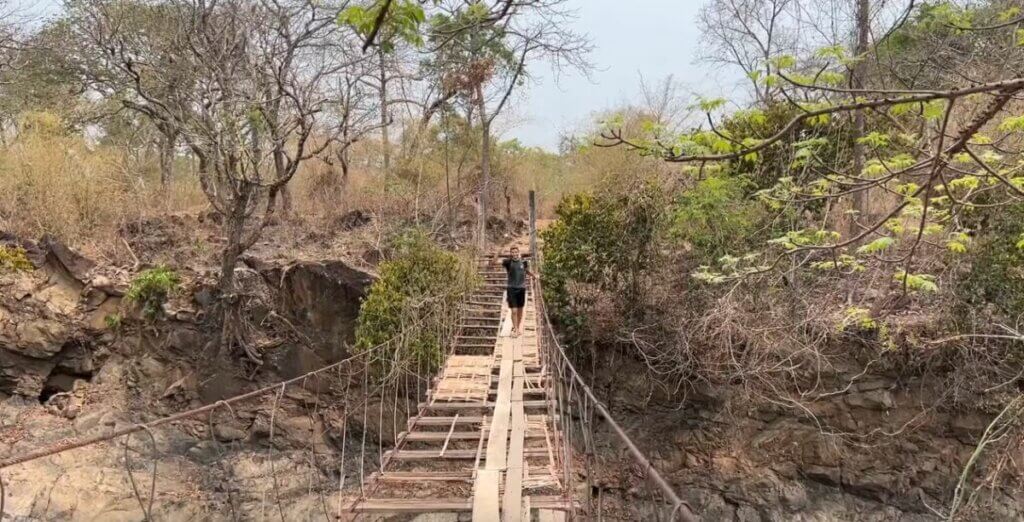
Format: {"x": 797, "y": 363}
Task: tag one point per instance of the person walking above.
{"x": 517, "y": 270}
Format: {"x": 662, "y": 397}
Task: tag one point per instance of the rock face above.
{"x": 322, "y": 299}
{"x": 741, "y": 460}
{"x": 63, "y": 376}
{"x": 48, "y": 335}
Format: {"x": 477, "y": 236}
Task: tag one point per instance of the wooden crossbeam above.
{"x": 452, "y": 454}
{"x": 438, "y": 436}
{"x": 429, "y": 476}
{"x": 427, "y": 420}
{"x": 443, "y": 505}
{"x": 512, "y": 504}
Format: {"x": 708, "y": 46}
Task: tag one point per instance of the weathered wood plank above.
{"x": 512, "y": 503}
{"x": 485, "y": 494}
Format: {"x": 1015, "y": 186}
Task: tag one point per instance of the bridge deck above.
{"x": 483, "y": 442}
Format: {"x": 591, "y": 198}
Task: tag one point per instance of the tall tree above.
{"x": 858, "y": 77}
{"x": 394, "y": 25}
{"x": 153, "y": 47}
{"x": 486, "y": 62}
{"x": 258, "y": 72}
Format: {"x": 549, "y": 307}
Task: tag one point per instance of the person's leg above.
{"x": 517, "y": 320}
{"x": 511, "y": 311}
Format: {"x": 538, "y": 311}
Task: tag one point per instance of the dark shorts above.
{"x": 516, "y": 297}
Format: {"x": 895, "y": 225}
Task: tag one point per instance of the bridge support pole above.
{"x": 533, "y": 230}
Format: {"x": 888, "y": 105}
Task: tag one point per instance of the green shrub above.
{"x": 602, "y": 244}
{"x": 717, "y": 218}
{"x": 14, "y": 259}
{"x": 151, "y": 288}
{"x": 996, "y": 277}
{"x": 113, "y": 321}
{"x": 413, "y": 305}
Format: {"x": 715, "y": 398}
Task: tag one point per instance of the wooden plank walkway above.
{"x": 488, "y": 414}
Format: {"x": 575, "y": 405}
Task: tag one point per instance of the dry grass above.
{"x": 57, "y": 184}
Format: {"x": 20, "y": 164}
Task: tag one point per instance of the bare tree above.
{"x": 747, "y": 34}
{"x": 258, "y": 72}
{"x": 151, "y": 46}
{"x": 664, "y": 100}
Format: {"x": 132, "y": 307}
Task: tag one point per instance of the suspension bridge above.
{"x": 504, "y": 431}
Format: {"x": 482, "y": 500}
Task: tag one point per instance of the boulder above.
{"x": 228, "y": 433}
{"x": 880, "y": 400}
{"x": 40, "y": 339}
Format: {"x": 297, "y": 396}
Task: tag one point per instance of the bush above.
{"x": 602, "y": 245}
{"x": 413, "y": 305}
{"x": 996, "y": 277}
{"x": 14, "y": 259}
{"x": 151, "y": 288}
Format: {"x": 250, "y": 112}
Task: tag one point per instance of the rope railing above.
{"x": 349, "y": 373}
{"x": 195, "y": 412}
{"x": 570, "y": 385}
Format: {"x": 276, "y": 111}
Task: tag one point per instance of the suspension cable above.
{"x": 80, "y": 443}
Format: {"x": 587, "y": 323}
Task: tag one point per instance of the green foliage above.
{"x": 879, "y": 245}
{"x": 1012, "y": 124}
{"x": 934, "y": 109}
{"x": 859, "y": 320}
{"x": 957, "y": 243}
{"x": 837, "y": 52}
{"x": 413, "y": 305}
{"x": 604, "y": 243}
{"x": 729, "y": 268}
{"x": 716, "y": 217}
{"x": 469, "y": 52}
{"x": 842, "y": 262}
{"x": 113, "y": 321}
{"x": 151, "y": 288}
{"x": 756, "y": 124}
{"x": 794, "y": 239}
{"x": 916, "y": 282}
{"x": 14, "y": 259}
{"x": 710, "y": 104}
{"x": 858, "y": 317}
{"x": 784, "y": 61}
{"x": 996, "y": 276}
{"x": 875, "y": 139}
{"x": 401, "y": 22}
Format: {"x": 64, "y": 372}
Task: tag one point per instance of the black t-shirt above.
{"x": 516, "y": 269}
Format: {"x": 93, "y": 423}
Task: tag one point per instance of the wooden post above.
{"x": 533, "y": 230}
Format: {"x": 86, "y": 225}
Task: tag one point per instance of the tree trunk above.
{"x": 168, "y": 141}
{"x": 280, "y": 164}
{"x": 343, "y": 161}
{"x": 857, "y": 73}
{"x": 447, "y": 179}
{"x": 385, "y": 119}
{"x": 508, "y": 206}
{"x": 234, "y": 224}
{"x": 485, "y": 166}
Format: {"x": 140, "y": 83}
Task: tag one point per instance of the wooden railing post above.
{"x": 534, "y": 253}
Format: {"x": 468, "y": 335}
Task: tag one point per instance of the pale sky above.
{"x": 653, "y": 38}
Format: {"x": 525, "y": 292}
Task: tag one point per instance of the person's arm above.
{"x": 526, "y": 266}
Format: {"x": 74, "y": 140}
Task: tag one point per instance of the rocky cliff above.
{"x": 76, "y": 361}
